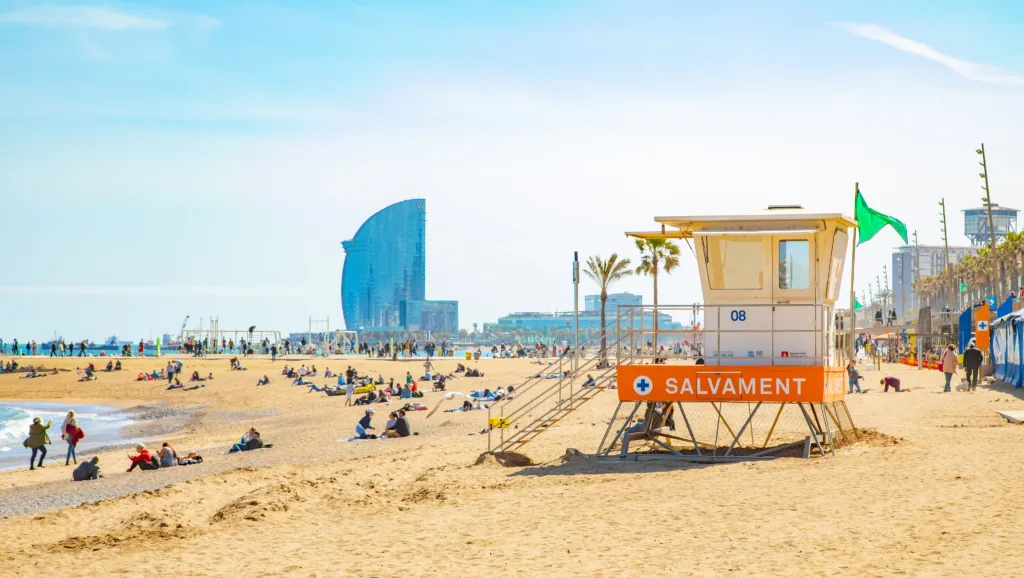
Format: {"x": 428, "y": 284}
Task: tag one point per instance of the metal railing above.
{"x": 705, "y": 340}
{"x": 554, "y": 399}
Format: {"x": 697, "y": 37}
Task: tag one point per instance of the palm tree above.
{"x": 605, "y": 272}
{"x": 655, "y": 255}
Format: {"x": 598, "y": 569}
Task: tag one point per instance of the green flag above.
{"x": 857, "y": 305}
{"x": 870, "y": 221}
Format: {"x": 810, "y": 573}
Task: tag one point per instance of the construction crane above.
{"x": 181, "y": 336}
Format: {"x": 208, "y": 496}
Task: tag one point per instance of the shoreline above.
{"x": 105, "y": 426}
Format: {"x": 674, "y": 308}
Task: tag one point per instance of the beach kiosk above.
{"x": 768, "y": 378}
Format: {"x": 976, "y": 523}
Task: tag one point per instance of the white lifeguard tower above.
{"x": 763, "y": 366}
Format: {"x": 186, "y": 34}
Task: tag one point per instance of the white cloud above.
{"x": 972, "y": 70}
{"x": 71, "y": 16}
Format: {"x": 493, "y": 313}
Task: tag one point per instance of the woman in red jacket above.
{"x": 143, "y": 461}
{"x": 71, "y": 433}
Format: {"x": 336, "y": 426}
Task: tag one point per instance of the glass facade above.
{"x": 432, "y": 316}
{"x": 385, "y": 264}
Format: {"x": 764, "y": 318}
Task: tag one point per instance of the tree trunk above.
{"x": 604, "y": 332}
{"x": 654, "y": 341}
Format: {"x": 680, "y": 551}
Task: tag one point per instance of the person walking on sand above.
{"x": 170, "y": 372}
{"x": 949, "y": 364}
{"x": 973, "y": 358}
{"x": 70, "y": 432}
{"x": 37, "y": 441}
{"x": 350, "y": 390}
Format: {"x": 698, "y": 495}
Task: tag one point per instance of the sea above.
{"x": 102, "y": 426}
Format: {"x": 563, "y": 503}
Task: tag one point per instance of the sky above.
{"x": 165, "y": 159}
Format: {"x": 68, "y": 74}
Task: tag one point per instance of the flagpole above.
{"x": 853, "y": 264}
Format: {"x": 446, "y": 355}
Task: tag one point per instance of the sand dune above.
{"x": 934, "y": 490}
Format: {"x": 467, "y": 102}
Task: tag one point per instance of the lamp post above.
{"x": 991, "y": 228}
{"x": 945, "y": 240}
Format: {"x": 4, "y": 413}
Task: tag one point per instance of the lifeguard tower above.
{"x": 761, "y": 376}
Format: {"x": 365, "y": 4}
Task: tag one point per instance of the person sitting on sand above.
{"x": 364, "y": 426}
{"x": 892, "y": 382}
{"x": 406, "y": 392}
{"x": 87, "y": 470}
{"x": 327, "y": 373}
{"x": 400, "y": 429}
{"x": 117, "y": 366}
{"x": 254, "y": 442}
{"x": 89, "y": 375}
{"x": 143, "y": 461}
{"x": 300, "y": 381}
{"x": 110, "y": 366}
{"x": 380, "y": 379}
{"x": 168, "y": 457}
{"x": 590, "y": 382}
{"x": 234, "y": 363}
{"x": 263, "y": 380}
{"x": 195, "y": 377}
{"x": 392, "y": 420}
{"x": 312, "y": 372}
{"x": 303, "y": 372}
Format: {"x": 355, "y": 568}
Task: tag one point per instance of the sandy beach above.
{"x": 934, "y": 492}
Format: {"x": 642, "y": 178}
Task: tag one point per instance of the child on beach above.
{"x": 854, "y": 376}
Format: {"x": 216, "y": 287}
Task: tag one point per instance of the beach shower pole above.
{"x": 576, "y": 311}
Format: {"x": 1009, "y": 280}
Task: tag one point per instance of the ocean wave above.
{"x": 14, "y": 424}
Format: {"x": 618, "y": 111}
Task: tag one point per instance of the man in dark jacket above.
{"x": 87, "y": 470}
{"x": 973, "y": 358}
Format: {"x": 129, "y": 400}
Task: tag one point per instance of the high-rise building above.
{"x": 910, "y": 263}
{"x": 385, "y": 264}
{"x": 383, "y": 284}
{"x": 430, "y": 316}
{"x": 592, "y": 303}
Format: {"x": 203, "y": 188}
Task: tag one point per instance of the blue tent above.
{"x": 1008, "y": 348}
{"x": 966, "y": 328}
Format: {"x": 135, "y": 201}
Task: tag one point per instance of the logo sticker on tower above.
{"x": 642, "y": 385}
